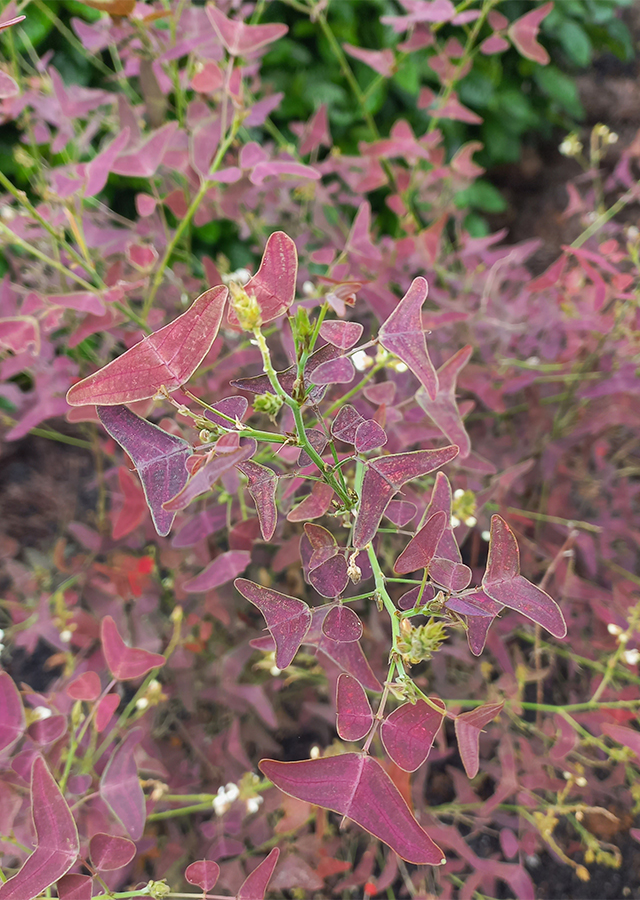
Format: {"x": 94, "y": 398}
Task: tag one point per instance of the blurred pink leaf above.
{"x": 125, "y": 662}
{"x": 323, "y": 543}
{"x": 288, "y": 619}
{"x": 105, "y": 710}
{"x": 134, "y": 509}
{"x": 143, "y": 161}
{"x": 628, "y": 737}
{"x": 421, "y": 549}
{"x": 18, "y": 333}
{"x": 274, "y": 284}
{"x": 342, "y": 624}
{"x": 57, "y": 844}
{"x": 48, "y": 731}
{"x": 12, "y": 717}
{"x": 454, "y": 109}
{"x": 314, "y": 504}
{"x": 401, "y": 512}
{"x": 240, "y": 39}
{"x": 255, "y": 885}
{"x": 120, "y": 787}
{"x": 222, "y": 569}
{"x": 402, "y": 335}
{"x": 109, "y": 852}
{"x": 97, "y": 171}
{"x": 262, "y": 487}
{"x": 357, "y": 786}
{"x": 343, "y": 335}
{"x": 85, "y": 687}
{"x": 334, "y": 371}
{"x": 354, "y": 715}
{"x": 167, "y": 358}
{"x": 369, "y": 436}
{"x": 75, "y": 887}
{"x": 524, "y": 32}
{"x": 381, "y": 61}
{"x": 503, "y": 582}
{"x": 443, "y": 408}
{"x": 409, "y": 731}
{"x": 346, "y": 423}
{"x": 159, "y": 457}
{"x": 384, "y": 477}
{"x": 316, "y": 134}
{"x": 8, "y": 86}
{"x": 203, "y": 873}
{"x": 276, "y": 168}
{"x": 9, "y": 22}
{"x": 442, "y": 499}
{"x": 208, "y": 474}
{"x": 468, "y": 728}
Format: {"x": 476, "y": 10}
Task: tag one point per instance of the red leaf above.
{"x": 12, "y": 718}
{"x": 120, "y": 786}
{"x": 255, "y": 885}
{"x": 134, "y": 508}
{"x": 452, "y": 575}
{"x": 105, "y": 710}
{"x": 167, "y": 358}
{"x": 354, "y": 715}
{"x": 57, "y": 844}
{"x": 262, "y": 487}
{"x": 403, "y": 336}
{"x": 274, "y": 284}
{"x": 205, "y": 477}
{"x": 109, "y": 852}
{"x": 331, "y": 578}
{"x": 125, "y": 662}
{"x": 346, "y": 424}
{"x": 222, "y": 569}
{"x": 203, "y": 873}
{"x": 240, "y": 39}
{"x": 75, "y": 887}
{"x": 369, "y": 436}
{"x": 85, "y": 687}
{"x": 421, "y": 549}
{"x": 524, "y": 31}
{"x": 443, "y": 408}
{"x": 343, "y": 335}
{"x": 314, "y": 505}
{"x": 334, "y": 371}
{"x": 323, "y": 544}
{"x": 357, "y": 786}
{"x": 342, "y": 624}
{"x": 409, "y": 731}
{"x": 288, "y": 619}
{"x": 628, "y": 737}
{"x": 504, "y": 584}
{"x": 468, "y": 728}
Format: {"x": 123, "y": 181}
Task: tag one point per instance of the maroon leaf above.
{"x": 384, "y": 477}
{"x": 57, "y": 844}
{"x": 207, "y": 476}
{"x": 262, "y": 487}
{"x": 477, "y": 631}
{"x": 134, "y": 509}
{"x": 109, "y": 852}
{"x": 341, "y": 334}
{"x": 354, "y": 715}
{"x": 288, "y": 619}
{"x": 105, "y": 710}
{"x": 452, "y": 575}
{"x": 475, "y": 603}
{"x": 222, "y": 569}
{"x": 318, "y": 441}
{"x": 443, "y": 408}
{"x": 403, "y": 336}
{"x": 409, "y": 600}
{"x": 357, "y": 786}
{"x": 260, "y": 384}
{"x": 203, "y": 873}
{"x": 342, "y": 624}
{"x": 12, "y": 717}
{"x": 274, "y": 284}
{"x": 75, "y": 887}
{"x": 167, "y": 358}
{"x": 85, "y": 687}
{"x": 442, "y": 499}
{"x": 346, "y": 424}
{"x": 323, "y": 544}
{"x": 334, "y": 371}
{"x": 314, "y": 505}
{"x": 331, "y": 578}
{"x": 120, "y": 787}
{"x": 409, "y": 731}
{"x": 504, "y": 584}
{"x": 48, "y": 731}
{"x": 254, "y": 887}
{"x": 468, "y": 728}
{"x": 369, "y": 436}
{"x": 401, "y": 512}
{"x": 240, "y": 39}
{"x": 234, "y": 407}
{"x": 160, "y": 459}
{"x": 421, "y": 549}
{"x": 125, "y": 662}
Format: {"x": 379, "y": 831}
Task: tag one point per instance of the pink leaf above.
{"x": 401, "y": 512}
{"x": 274, "y": 284}
{"x": 208, "y": 79}
{"x": 85, "y": 687}
{"x": 97, "y": 171}
{"x": 468, "y": 728}
{"x": 342, "y": 624}
{"x": 125, "y": 662}
{"x": 134, "y": 509}
{"x": 288, "y": 619}
{"x": 143, "y": 161}
{"x": 12, "y": 717}
{"x": 8, "y": 86}
{"x": 316, "y": 134}
{"x": 346, "y": 424}
{"x": 334, "y": 371}
{"x": 323, "y": 543}
{"x": 75, "y": 887}
{"x": 222, "y": 569}
{"x": 331, "y": 578}
{"x": 105, "y": 710}
{"x": 628, "y": 737}
{"x": 240, "y": 39}
{"x": 384, "y": 477}
{"x": 203, "y": 873}
{"x": 255, "y": 885}
{"x": 455, "y": 110}
{"x": 262, "y": 487}
{"x": 10, "y": 22}
{"x": 167, "y": 358}
{"x": 17, "y": 333}
{"x": 452, "y": 575}
{"x": 159, "y": 457}
{"x": 48, "y": 731}
{"x": 443, "y": 408}
{"x": 504, "y": 584}
{"x": 421, "y": 549}
{"x": 409, "y": 731}
{"x": 369, "y": 436}
{"x": 314, "y": 505}
{"x": 233, "y": 407}
{"x": 343, "y": 335}
{"x": 524, "y": 31}
{"x": 206, "y": 477}
{"x": 495, "y": 43}
{"x": 402, "y": 335}
{"x": 109, "y": 852}
{"x": 442, "y": 499}
{"x": 120, "y": 787}
{"x": 354, "y": 715}
{"x": 57, "y": 844}
{"x": 357, "y": 786}
{"x": 381, "y": 61}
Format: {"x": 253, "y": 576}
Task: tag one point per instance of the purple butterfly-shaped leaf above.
{"x": 240, "y": 39}
{"x": 409, "y": 731}
{"x": 120, "y": 787}
{"x": 442, "y": 499}
{"x": 167, "y": 358}
{"x": 384, "y": 477}
{"x": 421, "y": 549}
{"x": 314, "y": 505}
{"x": 318, "y": 441}
{"x": 12, "y": 717}
{"x": 357, "y": 786}
{"x": 126, "y": 662}
{"x": 346, "y": 424}
{"x": 409, "y": 600}
{"x": 75, "y": 887}
{"x": 208, "y": 474}
{"x": 105, "y": 710}
{"x": 452, "y": 575}
{"x": 403, "y": 336}
{"x": 222, "y": 569}
{"x": 288, "y": 619}
{"x": 57, "y": 844}
{"x": 335, "y": 371}
{"x": 203, "y": 873}
{"x": 331, "y": 577}
{"x": 341, "y": 334}
{"x": 274, "y": 284}
{"x": 342, "y": 624}
{"x": 260, "y": 384}
{"x": 109, "y": 852}
{"x": 262, "y": 487}
{"x": 443, "y": 408}
{"x": 468, "y": 728}
{"x": 354, "y": 716}
{"x": 254, "y": 887}
{"x": 503, "y": 582}
{"x": 524, "y": 32}
{"x": 401, "y": 512}
{"x": 323, "y": 543}
{"x": 159, "y": 457}
{"x": 85, "y": 687}
{"x": 48, "y": 731}
{"x": 233, "y": 407}
{"x": 369, "y": 436}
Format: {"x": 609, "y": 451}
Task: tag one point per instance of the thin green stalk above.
{"x": 182, "y": 811}
{"x": 62, "y": 438}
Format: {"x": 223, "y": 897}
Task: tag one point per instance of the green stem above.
{"x": 182, "y": 811}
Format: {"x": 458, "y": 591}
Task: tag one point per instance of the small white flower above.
{"x": 314, "y": 753}
{"x": 308, "y": 288}
{"x": 232, "y": 792}
{"x": 633, "y": 233}
{"x": 614, "y": 629}
{"x": 458, "y": 493}
{"x": 220, "y": 804}
{"x": 631, "y": 657}
{"x": 66, "y": 635}
{"x": 485, "y": 536}
{"x": 241, "y": 276}
{"x": 533, "y": 361}
{"x": 184, "y": 298}
{"x": 471, "y": 521}
{"x": 400, "y": 367}
{"x": 361, "y": 361}
{"x": 41, "y": 712}
{"x": 581, "y": 781}
{"x": 612, "y": 138}
{"x": 253, "y": 804}
{"x": 455, "y": 521}
{"x": 275, "y": 671}
{"x": 142, "y": 703}
{"x": 1, "y": 634}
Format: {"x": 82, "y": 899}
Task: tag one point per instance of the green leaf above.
{"x": 481, "y": 195}
{"x": 408, "y": 77}
{"x": 559, "y": 87}
{"x": 575, "y": 42}
{"x": 476, "y": 225}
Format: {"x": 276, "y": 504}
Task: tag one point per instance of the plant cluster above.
{"x": 146, "y": 763}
